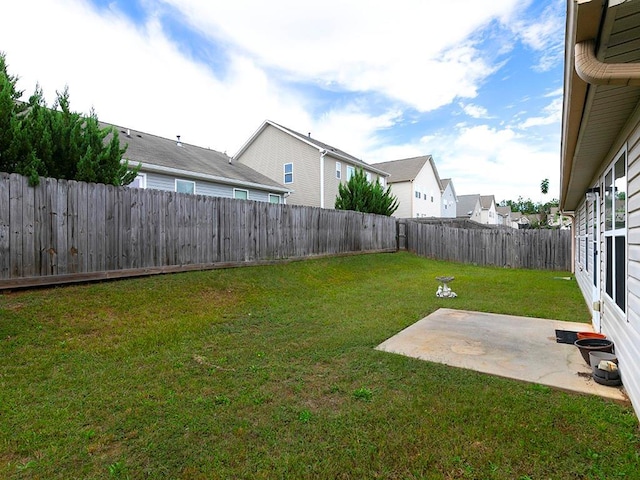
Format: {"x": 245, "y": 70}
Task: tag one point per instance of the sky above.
{"x": 477, "y": 85}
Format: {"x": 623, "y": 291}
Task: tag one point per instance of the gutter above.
{"x": 595, "y": 72}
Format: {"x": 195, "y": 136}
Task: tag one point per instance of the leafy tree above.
{"x": 36, "y": 140}
{"x": 544, "y": 186}
{"x": 362, "y": 196}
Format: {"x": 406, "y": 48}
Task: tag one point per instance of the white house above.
{"x": 488, "y": 212}
{"x": 469, "y": 207}
{"x": 600, "y": 169}
{"x": 416, "y": 184}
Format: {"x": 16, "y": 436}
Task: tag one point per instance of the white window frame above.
{"x": 285, "y": 173}
{"x": 142, "y": 178}
{"x": 614, "y": 229}
{"x": 368, "y": 176}
{"x": 236, "y": 190}
{"x": 382, "y": 181}
{"x": 276, "y": 196}
{"x": 190, "y": 182}
{"x": 351, "y": 171}
{"x": 338, "y": 170}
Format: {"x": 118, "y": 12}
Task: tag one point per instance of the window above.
{"x": 240, "y": 194}
{"x": 418, "y": 195}
{"x": 615, "y": 230}
{"x": 338, "y": 170}
{"x": 288, "y": 173}
{"x": 185, "y": 186}
{"x": 139, "y": 182}
{"x": 382, "y": 181}
{"x": 368, "y": 175}
{"x": 274, "y": 198}
{"x": 351, "y": 171}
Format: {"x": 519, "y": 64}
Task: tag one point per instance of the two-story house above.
{"x": 311, "y": 169}
{"x": 416, "y": 184}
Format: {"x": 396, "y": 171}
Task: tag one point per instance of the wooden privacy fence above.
{"x": 547, "y": 249}
{"x": 64, "y": 231}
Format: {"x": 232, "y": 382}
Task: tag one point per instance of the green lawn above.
{"x": 271, "y": 372}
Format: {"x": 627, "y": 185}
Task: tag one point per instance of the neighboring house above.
{"x": 518, "y": 220}
{"x": 176, "y": 166}
{"x": 600, "y": 170}
{"x": 469, "y": 207}
{"x": 488, "y": 213}
{"x": 310, "y": 168}
{"x": 449, "y": 199}
{"x": 416, "y": 184}
{"x": 504, "y": 216}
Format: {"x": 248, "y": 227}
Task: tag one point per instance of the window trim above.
{"x": 235, "y": 190}
{"x": 351, "y": 171}
{"x": 143, "y": 181}
{"x": 177, "y": 180}
{"x": 285, "y": 173}
{"x": 338, "y": 170}
{"x": 273, "y": 195}
{"x": 612, "y": 234}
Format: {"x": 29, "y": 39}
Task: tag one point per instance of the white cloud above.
{"x": 402, "y": 49}
{"x": 552, "y": 115}
{"x": 492, "y": 161}
{"x": 475, "y": 111}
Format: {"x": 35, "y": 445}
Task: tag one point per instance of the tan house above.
{"x": 416, "y": 184}
{"x": 311, "y": 169}
{"x": 600, "y": 169}
{"x": 504, "y": 216}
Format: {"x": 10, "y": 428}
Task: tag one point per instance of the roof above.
{"x": 407, "y": 169}
{"x": 467, "y": 204}
{"x": 163, "y": 155}
{"x": 594, "y": 115}
{"x": 504, "y": 210}
{"x": 321, "y": 146}
{"x": 447, "y": 182}
{"x": 486, "y": 201}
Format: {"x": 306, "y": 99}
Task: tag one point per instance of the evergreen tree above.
{"x": 360, "y": 195}
{"x": 36, "y": 140}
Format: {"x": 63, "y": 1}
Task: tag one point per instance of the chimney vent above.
{"x": 129, "y": 132}
{"x": 178, "y": 143}
{"x": 309, "y": 134}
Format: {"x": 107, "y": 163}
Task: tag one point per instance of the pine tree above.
{"x": 363, "y": 196}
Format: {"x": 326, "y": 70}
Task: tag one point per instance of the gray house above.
{"x": 469, "y": 207}
{"x": 180, "y": 167}
{"x": 449, "y": 199}
{"x": 310, "y": 168}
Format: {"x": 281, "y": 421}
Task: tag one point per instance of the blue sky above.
{"x": 478, "y": 85}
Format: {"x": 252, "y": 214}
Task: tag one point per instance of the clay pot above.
{"x": 582, "y": 335}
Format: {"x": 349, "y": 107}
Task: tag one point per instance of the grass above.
{"x": 270, "y": 372}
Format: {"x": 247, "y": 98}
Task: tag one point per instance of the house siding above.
{"x": 404, "y": 192}
{"x": 273, "y": 148}
{"x": 623, "y": 328}
{"x": 426, "y": 183}
{"x": 448, "y": 201}
{"x": 159, "y": 181}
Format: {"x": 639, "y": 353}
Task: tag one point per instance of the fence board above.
{"x": 5, "y": 227}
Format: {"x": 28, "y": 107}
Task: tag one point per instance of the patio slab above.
{"x": 509, "y": 346}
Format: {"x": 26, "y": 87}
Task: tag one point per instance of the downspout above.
{"x": 595, "y": 72}
{"x": 322, "y": 154}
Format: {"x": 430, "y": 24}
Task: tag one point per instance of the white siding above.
{"x": 623, "y": 328}
{"x": 448, "y": 209}
{"x": 404, "y": 192}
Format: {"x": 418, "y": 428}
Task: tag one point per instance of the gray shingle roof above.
{"x": 486, "y": 201}
{"x": 466, "y": 204}
{"x": 158, "y": 151}
{"x": 407, "y": 169}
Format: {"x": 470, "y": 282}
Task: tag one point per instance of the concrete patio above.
{"x": 509, "y": 346}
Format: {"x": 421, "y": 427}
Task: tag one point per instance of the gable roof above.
{"x": 504, "y": 210}
{"x": 321, "y": 146}
{"x": 446, "y": 182}
{"x": 467, "y": 204}
{"x": 162, "y": 155}
{"x": 407, "y": 169}
{"x": 486, "y": 201}
{"x": 595, "y": 113}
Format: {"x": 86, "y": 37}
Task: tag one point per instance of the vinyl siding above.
{"x": 450, "y": 199}
{"x": 331, "y": 182}
{"x": 426, "y": 182}
{"x": 159, "y": 181}
{"x": 622, "y": 328}
{"x": 272, "y": 148}
{"x": 404, "y": 191}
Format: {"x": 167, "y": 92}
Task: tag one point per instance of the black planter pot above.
{"x": 586, "y": 345}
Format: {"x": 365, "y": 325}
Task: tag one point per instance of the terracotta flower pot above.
{"x": 582, "y": 335}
